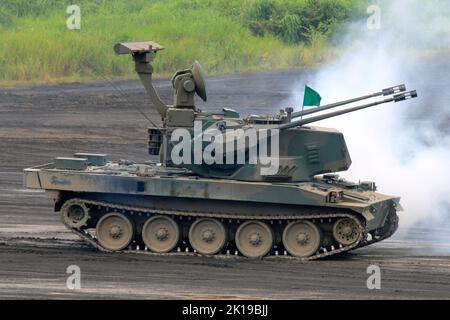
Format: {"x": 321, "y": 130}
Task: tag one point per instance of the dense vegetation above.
{"x": 225, "y": 35}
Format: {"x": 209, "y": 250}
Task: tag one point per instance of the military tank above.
{"x": 273, "y": 192}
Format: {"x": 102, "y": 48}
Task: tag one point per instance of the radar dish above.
{"x": 199, "y": 79}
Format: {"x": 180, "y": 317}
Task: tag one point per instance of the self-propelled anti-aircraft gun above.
{"x": 263, "y": 185}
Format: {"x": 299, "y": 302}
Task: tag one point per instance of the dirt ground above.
{"x": 39, "y": 123}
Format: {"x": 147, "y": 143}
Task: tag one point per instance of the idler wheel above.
{"x": 207, "y": 236}
{"x": 160, "y": 234}
{"x": 346, "y": 231}
{"x": 75, "y": 214}
{"x": 254, "y": 239}
{"x": 114, "y": 231}
{"x": 302, "y": 238}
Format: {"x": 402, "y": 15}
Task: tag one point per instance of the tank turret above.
{"x": 256, "y": 148}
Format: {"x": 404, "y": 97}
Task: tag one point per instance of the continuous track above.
{"x": 99, "y": 208}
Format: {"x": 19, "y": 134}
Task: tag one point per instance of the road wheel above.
{"x": 346, "y": 231}
{"x": 302, "y": 238}
{"x": 207, "y": 236}
{"x": 254, "y": 239}
{"x": 75, "y": 214}
{"x": 114, "y": 231}
{"x": 160, "y": 234}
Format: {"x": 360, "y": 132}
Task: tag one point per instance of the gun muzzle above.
{"x": 405, "y": 96}
{"x": 394, "y": 89}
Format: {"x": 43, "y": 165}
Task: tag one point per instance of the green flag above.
{"x": 311, "y": 97}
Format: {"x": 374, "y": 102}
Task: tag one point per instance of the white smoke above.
{"x": 404, "y": 147}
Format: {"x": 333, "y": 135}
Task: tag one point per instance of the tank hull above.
{"x": 118, "y": 206}
{"x": 151, "y": 186}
